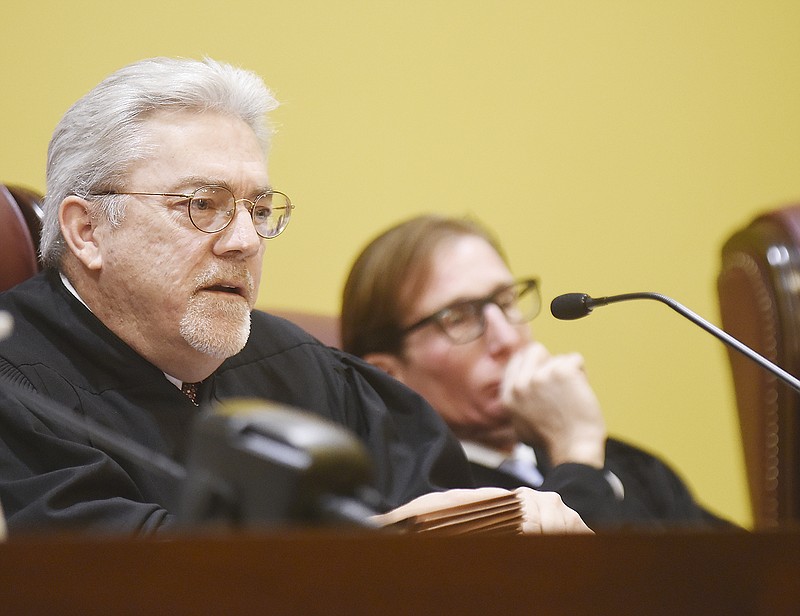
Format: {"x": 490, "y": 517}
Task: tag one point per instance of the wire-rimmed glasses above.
{"x": 211, "y": 208}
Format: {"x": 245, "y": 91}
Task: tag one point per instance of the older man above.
{"x": 157, "y": 210}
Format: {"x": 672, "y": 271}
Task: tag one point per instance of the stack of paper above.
{"x": 458, "y": 512}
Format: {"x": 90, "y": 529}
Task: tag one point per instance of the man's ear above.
{"x": 80, "y": 231}
{"x": 386, "y": 362}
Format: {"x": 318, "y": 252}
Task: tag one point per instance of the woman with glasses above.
{"x": 433, "y": 302}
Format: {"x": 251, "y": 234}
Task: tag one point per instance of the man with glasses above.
{"x": 157, "y": 212}
{"x": 432, "y": 301}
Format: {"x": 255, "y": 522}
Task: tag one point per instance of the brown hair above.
{"x": 390, "y": 271}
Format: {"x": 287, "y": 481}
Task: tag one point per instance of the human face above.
{"x": 177, "y": 295}
{"x": 462, "y": 381}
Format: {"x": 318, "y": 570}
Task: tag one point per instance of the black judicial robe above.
{"x": 654, "y": 495}
{"x": 51, "y": 478}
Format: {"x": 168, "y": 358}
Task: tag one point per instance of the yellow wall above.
{"x": 613, "y": 146}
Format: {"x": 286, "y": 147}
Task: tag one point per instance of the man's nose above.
{"x": 500, "y": 333}
{"x": 240, "y": 235}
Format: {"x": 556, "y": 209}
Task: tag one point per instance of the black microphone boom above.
{"x": 576, "y": 305}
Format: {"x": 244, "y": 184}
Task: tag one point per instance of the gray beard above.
{"x": 219, "y": 328}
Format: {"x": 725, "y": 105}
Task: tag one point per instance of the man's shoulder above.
{"x": 276, "y": 341}
{"x": 37, "y": 318}
{"x": 270, "y": 333}
{"x": 281, "y": 355}
{"x": 34, "y": 288}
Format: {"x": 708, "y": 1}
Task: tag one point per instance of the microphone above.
{"x": 256, "y": 462}
{"x": 572, "y": 306}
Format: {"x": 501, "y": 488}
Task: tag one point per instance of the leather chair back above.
{"x": 20, "y": 228}
{"x": 759, "y": 298}
{"x": 324, "y": 327}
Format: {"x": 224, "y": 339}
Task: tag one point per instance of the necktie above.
{"x": 523, "y": 469}
{"x": 190, "y": 390}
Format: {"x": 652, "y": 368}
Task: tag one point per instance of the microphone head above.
{"x": 571, "y": 306}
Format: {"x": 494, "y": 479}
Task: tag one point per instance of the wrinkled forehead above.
{"x": 209, "y": 146}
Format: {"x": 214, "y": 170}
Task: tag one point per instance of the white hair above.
{"x": 101, "y": 135}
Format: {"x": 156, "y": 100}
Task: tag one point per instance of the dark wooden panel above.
{"x": 326, "y": 573}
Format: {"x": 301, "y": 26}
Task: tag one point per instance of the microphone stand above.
{"x": 589, "y": 303}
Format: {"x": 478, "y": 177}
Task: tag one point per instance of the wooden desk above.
{"x": 338, "y": 573}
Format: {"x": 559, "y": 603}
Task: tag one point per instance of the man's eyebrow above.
{"x": 193, "y": 182}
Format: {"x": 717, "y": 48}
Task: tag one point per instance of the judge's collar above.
{"x": 65, "y": 281}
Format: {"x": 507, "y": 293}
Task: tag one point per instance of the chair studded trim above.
{"x": 757, "y": 398}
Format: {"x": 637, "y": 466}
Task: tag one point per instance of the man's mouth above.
{"x": 226, "y": 281}
{"x": 230, "y": 289}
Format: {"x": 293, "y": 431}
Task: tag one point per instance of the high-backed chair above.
{"x": 324, "y": 327}
{"x": 20, "y": 227}
{"x": 759, "y": 298}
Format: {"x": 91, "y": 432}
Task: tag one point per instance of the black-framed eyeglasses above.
{"x": 212, "y": 208}
{"x": 465, "y": 321}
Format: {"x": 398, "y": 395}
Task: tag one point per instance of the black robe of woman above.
{"x": 651, "y": 494}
